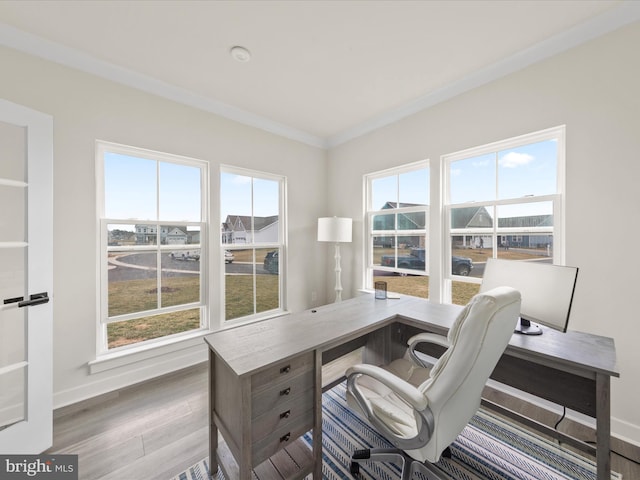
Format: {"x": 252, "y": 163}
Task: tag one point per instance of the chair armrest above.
{"x": 432, "y": 338}
{"x": 408, "y": 392}
{"x": 422, "y": 412}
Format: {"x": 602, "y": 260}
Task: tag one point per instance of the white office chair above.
{"x": 422, "y": 410}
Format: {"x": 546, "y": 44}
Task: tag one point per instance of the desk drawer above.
{"x": 287, "y": 414}
{"x": 281, "y": 393}
{"x": 281, "y": 437}
{"x": 282, "y": 371}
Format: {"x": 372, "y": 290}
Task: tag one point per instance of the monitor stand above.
{"x": 525, "y": 327}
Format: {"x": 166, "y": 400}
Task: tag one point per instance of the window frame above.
{"x": 281, "y": 246}
{"x": 103, "y": 319}
{"x": 556, "y": 199}
{"x": 370, "y": 213}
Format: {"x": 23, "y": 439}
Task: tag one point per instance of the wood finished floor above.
{"x": 153, "y": 430}
{"x": 157, "y": 429}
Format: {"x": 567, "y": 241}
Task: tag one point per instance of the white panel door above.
{"x": 26, "y": 279}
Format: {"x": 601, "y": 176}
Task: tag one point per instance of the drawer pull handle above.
{"x": 286, "y": 391}
{"x": 286, "y": 414}
{"x": 285, "y": 437}
{"x": 286, "y": 369}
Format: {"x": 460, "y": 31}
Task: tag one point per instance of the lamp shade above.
{"x": 334, "y": 229}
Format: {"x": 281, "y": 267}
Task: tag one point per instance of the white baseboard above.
{"x": 11, "y": 414}
{"x": 131, "y": 374}
{"x": 621, "y": 430}
{"x": 625, "y": 431}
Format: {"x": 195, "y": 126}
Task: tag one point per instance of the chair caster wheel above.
{"x": 354, "y": 468}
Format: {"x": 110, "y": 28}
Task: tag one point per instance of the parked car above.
{"x": 461, "y": 265}
{"x": 228, "y": 257}
{"x": 271, "y": 262}
{"x": 185, "y": 255}
{"x": 416, "y": 261}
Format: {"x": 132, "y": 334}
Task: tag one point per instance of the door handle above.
{"x": 34, "y": 299}
{"x": 13, "y": 300}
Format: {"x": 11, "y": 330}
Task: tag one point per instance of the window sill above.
{"x": 254, "y": 319}
{"x": 166, "y": 346}
{"x": 151, "y": 350}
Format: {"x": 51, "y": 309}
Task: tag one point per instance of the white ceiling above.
{"x": 321, "y": 72}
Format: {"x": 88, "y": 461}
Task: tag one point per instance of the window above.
{"x": 252, "y": 243}
{"x": 397, "y": 215}
{"x": 503, "y": 200}
{"x": 152, "y": 246}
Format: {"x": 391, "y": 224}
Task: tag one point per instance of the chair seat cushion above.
{"x": 408, "y": 371}
{"x": 388, "y": 407}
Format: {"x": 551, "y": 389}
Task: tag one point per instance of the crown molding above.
{"x": 34, "y": 45}
{"x": 628, "y": 12}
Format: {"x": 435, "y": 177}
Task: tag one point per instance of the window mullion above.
{"x": 158, "y": 241}
{"x": 158, "y": 266}
{"x": 497, "y": 180}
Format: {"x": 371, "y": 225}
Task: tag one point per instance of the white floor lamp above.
{"x": 337, "y": 230}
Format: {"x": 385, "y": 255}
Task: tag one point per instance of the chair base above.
{"x": 395, "y": 455}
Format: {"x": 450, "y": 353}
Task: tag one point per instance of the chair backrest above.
{"x": 477, "y": 339}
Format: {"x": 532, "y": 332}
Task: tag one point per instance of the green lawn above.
{"x": 155, "y": 326}
{"x": 239, "y": 294}
{"x": 140, "y": 295}
{"x": 418, "y": 286}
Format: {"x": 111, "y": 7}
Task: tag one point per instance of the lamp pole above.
{"x": 338, "y": 273}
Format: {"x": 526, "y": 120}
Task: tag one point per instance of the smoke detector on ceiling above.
{"x": 240, "y": 54}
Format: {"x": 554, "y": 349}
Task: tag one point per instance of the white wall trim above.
{"x": 132, "y": 374}
{"x": 40, "y": 47}
{"x": 626, "y": 13}
{"x": 620, "y": 429}
{"x": 625, "y": 431}
{"x": 146, "y": 351}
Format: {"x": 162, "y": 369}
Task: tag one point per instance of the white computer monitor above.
{"x": 546, "y": 290}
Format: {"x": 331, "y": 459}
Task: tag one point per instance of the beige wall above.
{"x": 86, "y": 108}
{"x": 594, "y": 91}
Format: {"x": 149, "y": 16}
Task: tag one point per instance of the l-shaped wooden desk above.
{"x": 266, "y": 378}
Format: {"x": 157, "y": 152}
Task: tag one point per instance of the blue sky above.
{"x": 529, "y": 170}
{"x": 236, "y": 196}
{"x": 131, "y": 186}
{"x": 410, "y": 187}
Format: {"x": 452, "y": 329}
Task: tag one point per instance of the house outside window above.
{"x": 503, "y": 200}
{"x": 397, "y": 219}
{"x": 253, "y": 246}
{"x": 152, "y": 221}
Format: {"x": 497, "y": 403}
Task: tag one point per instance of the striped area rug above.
{"x": 487, "y": 449}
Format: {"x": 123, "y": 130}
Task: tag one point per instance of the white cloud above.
{"x": 480, "y": 163}
{"x": 455, "y": 172}
{"x": 516, "y": 159}
{"x": 240, "y": 180}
